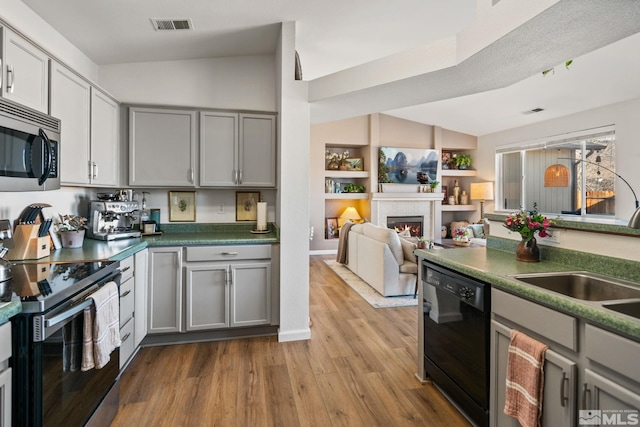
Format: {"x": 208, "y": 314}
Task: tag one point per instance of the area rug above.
{"x": 367, "y": 292}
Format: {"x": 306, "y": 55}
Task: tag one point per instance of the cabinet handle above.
{"x": 125, "y": 323}
{"x": 230, "y": 253}
{"x": 125, "y": 294}
{"x": 227, "y": 276}
{"x": 126, "y": 337}
{"x": 128, "y": 267}
{"x": 191, "y": 178}
{"x": 10, "y": 83}
{"x": 563, "y": 381}
{"x": 235, "y": 176}
{"x": 585, "y": 391}
{"x": 95, "y": 170}
{"x": 240, "y": 180}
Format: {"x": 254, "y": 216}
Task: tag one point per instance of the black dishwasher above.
{"x": 456, "y": 338}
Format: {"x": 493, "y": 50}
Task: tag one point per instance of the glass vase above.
{"x": 528, "y": 251}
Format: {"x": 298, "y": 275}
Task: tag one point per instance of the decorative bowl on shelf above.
{"x": 461, "y": 242}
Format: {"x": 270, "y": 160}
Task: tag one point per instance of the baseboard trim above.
{"x": 324, "y": 252}
{"x": 296, "y": 335}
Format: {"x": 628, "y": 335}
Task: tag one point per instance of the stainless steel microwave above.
{"x": 29, "y": 149}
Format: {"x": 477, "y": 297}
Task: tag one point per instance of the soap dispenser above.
{"x": 144, "y": 212}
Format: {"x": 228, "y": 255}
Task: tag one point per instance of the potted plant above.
{"x": 463, "y": 161}
{"x": 71, "y": 229}
{"x": 421, "y": 242}
{"x": 527, "y": 224}
{"x": 461, "y": 237}
{"x": 434, "y": 185}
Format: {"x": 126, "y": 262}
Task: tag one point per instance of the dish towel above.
{"x": 343, "y": 243}
{"x": 101, "y": 332}
{"x": 525, "y": 379}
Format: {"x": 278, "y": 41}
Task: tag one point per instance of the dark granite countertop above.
{"x": 494, "y": 266}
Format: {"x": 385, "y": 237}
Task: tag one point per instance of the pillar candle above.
{"x": 262, "y": 216}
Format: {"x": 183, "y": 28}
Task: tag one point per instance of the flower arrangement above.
{"x": 461, "y": 234}
{"x": 527, "y": 223}
{"x": 71, "y": 223}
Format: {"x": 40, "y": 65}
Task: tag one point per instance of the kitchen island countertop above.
{"x": 496, "y": 266}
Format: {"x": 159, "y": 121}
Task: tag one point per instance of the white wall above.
{"x": 294, "y": 124}
{"x": 67, "y": 200}
{"x": 29, "y": 24}
{"x": 238, "y": 83}
{"x": 624, "y": 116}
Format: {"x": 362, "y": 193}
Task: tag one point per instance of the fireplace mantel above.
{"x": 406, "y": 204}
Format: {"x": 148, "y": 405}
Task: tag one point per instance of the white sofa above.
{"x": 382, "y": 259}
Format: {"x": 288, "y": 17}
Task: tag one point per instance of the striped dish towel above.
{"x": 525, "y": 379}
{"x": 101, "y": 332}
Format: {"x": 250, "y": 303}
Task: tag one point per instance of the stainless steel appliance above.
{"x": 456, "y": 338}
{"x": 49, "y": 389}
{"x": 113, "y": 219}
{"x": 29, "y": 149}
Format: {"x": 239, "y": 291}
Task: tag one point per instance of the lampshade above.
{"x": 482, "y": 190}
{"x": 350, "y": 214}
{"x": 556, "y": 176}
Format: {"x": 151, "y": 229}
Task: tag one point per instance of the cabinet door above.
{"x": 165, "y": 290}
{"x": 250, "y": 302}
{"x": 218, "y": 149}
{"x": 5, "y": 398}
{"x": 559, "y": 398}
{"x": 602, "y": 393}
{"x": 161, "y": 147}
{"x": 141, "y": 280}
{"x": 70, "y": 102}
{"x": 104, "y": 139}
{"x": 25, "y": 72}
{"x": 207, "y": 297}
{"x": 257, "y": 150}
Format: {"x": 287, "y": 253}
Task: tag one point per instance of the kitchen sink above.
{"x": 582, "y": 285}
{"x": 629, "y": 308}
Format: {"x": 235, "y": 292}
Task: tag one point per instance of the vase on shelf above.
{"x": 343, "y": 166}
{"x": 528, "y": 251}
{"x": 333, "y": 166}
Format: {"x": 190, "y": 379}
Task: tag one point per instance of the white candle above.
{"x": 262, "y": 216}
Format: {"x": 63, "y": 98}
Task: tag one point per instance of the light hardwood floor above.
{"x": 357, "y": 370}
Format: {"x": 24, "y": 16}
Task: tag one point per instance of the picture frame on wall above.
{"x": 445, "y": 201}
{"x": 331, "y": 228}
{"x": 355, "y": 164}
{"x": 446, "y": 159}
{"x": 182, "y": 206}
{"x": 247, "y": 205}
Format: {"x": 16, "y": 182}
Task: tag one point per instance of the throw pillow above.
{"x": 478, "y": 230}
{"x": 408, "y": 248}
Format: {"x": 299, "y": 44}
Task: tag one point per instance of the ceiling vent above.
{"x": 172, "y": 24}
{"x": 535, "y": 110}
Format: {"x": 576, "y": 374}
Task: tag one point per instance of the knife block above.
{"x": 27, "y": 243}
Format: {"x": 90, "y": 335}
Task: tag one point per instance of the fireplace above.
{"x": 401, "y": 223}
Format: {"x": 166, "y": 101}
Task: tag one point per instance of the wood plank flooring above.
{"x": 357, "y": 370}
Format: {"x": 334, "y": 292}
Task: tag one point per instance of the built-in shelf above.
{"x": 459, "y": 172}
{"x": 459, "y": 208}
{"x": 346, "y": 174}
{"x": 349, "y": 196}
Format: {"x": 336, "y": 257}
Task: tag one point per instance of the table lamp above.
{"x": 481, "y": 191}
{"x": 350, "y": 214}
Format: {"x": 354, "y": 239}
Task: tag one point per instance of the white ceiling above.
{"x": 333, "y": 35}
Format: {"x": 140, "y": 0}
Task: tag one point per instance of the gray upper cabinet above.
{"x": 89, "y": 152}
{"x": 25, "y": 72}
{"x": 162, "y": 145}
{"x": 237, "y": 149}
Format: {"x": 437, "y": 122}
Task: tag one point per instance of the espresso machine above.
{"x": 113, "y": 219}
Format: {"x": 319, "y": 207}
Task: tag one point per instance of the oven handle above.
{"x": 68, "y": 314}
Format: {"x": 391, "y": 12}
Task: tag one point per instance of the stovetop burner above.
{"x": 43, "y": 286}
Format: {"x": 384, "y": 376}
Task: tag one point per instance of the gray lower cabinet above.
{"x": 559, "y": 398}
{"x": 141, "y": 276}
{"x": 165, "y": 290}
{"x": 5, "y": 375}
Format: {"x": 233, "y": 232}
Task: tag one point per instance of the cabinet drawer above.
{"x": 126, "y": 268}
{"x": 127, "y": 301}
{"x": 613, "y": 351}
{"x": 5, "y": 341}
{"x": 553, "y": 325}
{"x": 127, "y": 347}
{"x": 228, "y": 253}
